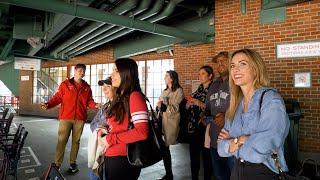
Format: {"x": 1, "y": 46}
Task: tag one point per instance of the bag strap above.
{"x": 261, "y": 98}
{"x": 274, "y": 155}
{"x": 154, "y": 118}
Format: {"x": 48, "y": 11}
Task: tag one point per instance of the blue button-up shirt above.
{"x": 267, "y": 127}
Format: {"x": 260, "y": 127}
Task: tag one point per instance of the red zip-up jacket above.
{"x": 74, "y": 102}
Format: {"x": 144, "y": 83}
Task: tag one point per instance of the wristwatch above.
{"x": 236, "y": 140}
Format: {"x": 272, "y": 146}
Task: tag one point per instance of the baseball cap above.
{"x": 105, "y": 81}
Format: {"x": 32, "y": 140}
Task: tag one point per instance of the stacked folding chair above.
{"x": 11, "y": 145}
{"x": 4, "y": 113}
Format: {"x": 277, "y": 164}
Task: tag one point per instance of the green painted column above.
{"x": 10, "y": 77}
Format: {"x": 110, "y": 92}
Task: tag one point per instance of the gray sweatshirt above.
{"x": 217, "y": 101}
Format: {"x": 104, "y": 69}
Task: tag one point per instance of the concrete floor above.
{"x": 39, "y": 150}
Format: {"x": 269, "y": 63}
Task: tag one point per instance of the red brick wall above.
{"x": 234, "y": 31}
{"x": 100, "y": 55}
{"x": 188, "y": 60}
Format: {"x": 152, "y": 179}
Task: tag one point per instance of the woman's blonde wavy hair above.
{"x": 261, "y": 80}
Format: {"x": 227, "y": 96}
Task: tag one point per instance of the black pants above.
{"x": 118, "y": 168}
{"x": 196, "y": 149}
{"x": 166, "y": 159}
{"x": 251, "y": 171}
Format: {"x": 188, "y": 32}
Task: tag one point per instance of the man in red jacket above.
{"x": 75, "y": 96}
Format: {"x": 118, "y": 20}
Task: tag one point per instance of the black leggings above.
{"x": 118, "y": 168}
{"x": 251, "y": 171}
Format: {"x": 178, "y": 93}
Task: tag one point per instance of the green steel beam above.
{"x": 147, "y": 44}
{"x": 106, "y": 17}
{"x": 42, "y": 57}
{"x": 6, "y": 34}
{"x": 7, "y": 48}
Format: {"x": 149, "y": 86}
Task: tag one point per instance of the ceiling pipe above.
{"x": 120, "y": 9}
{"x": 100, "y": 16}
{"x": 153, "y": 11}
{"x": 144, "y": 5}
{"x": 116, "y": 34}
{"x": 165, "y": 13}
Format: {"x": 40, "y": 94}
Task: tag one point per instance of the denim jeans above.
{"x": 222, "y": 166}
{"x": 93, "y": 176}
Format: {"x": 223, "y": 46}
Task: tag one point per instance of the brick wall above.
{"x": 234, "y": 31}
{"x": 188, "y": 60}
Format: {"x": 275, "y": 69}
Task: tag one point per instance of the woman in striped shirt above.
{"x": 128, "y": 106}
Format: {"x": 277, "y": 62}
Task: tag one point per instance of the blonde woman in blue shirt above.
{"x": 257, "y": 123}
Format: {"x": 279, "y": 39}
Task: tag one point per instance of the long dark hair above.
{"x": 128, "y": 70}
{"x": 208, "y": 69}
{"x": 175, "y": 80}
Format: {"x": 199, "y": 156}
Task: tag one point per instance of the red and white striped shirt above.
{"x": 119, "y": 134}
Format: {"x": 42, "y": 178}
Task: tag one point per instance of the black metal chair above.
{"x": 5, "y": 124}
{"x": 4, "y": 113}
{"x": 4, "y": 162}
{"x": 11, "y": 138}
{"x": 14, "y": 151}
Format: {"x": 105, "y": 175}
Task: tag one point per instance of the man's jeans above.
{"x": 222, "y": 166}
{"x": 93, "y": 176}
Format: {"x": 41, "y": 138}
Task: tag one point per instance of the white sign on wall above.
{"x": 27, "y": 63}
{"x": 297, "y": 50}
{"x": 24, "y": 78}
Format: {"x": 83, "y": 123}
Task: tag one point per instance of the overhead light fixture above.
{"x": 34, "y": 41}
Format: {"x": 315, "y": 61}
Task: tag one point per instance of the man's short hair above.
{"x": 82, "y": 66}
{"x": 224, "y": 54}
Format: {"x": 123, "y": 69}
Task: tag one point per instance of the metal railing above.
{"x": 11, "y": 102}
